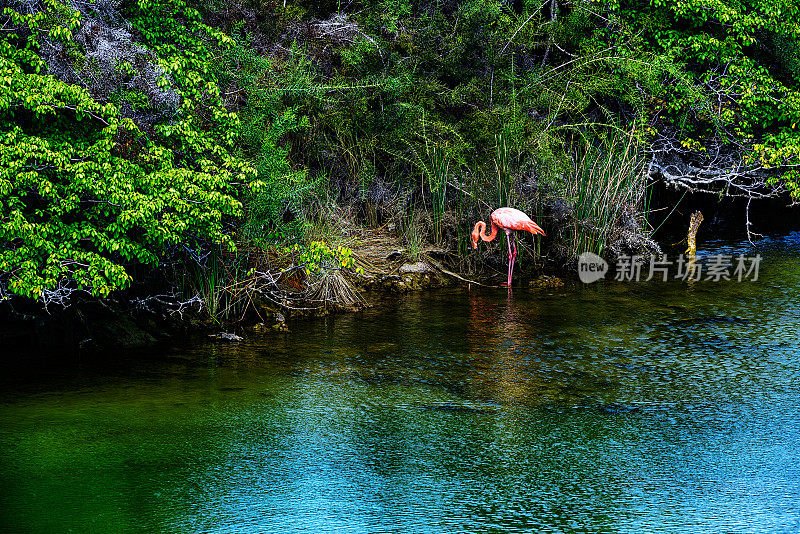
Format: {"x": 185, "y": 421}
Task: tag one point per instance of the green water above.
{"x": 615, "y": 407}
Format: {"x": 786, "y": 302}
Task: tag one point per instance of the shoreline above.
{"x": 122, "y": 322}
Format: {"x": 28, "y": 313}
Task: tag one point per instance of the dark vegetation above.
{"x": 219, "y": 154}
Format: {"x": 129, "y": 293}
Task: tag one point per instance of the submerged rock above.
{"x": 546, "y": 282}
{"x": 411, "y": 277}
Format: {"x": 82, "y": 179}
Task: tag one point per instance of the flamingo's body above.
{"x": 509, "y": 220}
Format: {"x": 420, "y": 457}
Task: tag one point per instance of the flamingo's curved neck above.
{"x": 482, "y": 231}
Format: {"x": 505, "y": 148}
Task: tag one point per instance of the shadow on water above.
{"x": 614, "y": 407}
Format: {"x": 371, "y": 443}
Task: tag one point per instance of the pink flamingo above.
{"x": 509, "y": 220}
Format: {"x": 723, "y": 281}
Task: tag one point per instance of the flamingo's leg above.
{"x": 510, "y": 258}
{"x": 513, "y": 260}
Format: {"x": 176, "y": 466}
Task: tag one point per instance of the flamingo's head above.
{"x": 476, "y": 235}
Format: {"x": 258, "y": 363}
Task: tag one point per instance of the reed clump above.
{"x": 608, "y": 184}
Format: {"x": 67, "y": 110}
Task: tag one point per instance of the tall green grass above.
{"x": 505, "y": 178}
{"x": 437, "y": 169}
{"x": 413, "y": 234}
{"x": 607, "y": 181}
{"x": 433, "y": 162}
{"x": 214, "y": 280}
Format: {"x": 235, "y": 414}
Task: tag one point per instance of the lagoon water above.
{"x": 612, "y": 407}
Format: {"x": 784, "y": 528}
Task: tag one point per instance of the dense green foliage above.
{"x": 390, "y": 107}
{"x": 461, "y": 106}
{"x": 274, "y": 211}
{"x": 736, "y": 73}
{"x": 83, "y": 191}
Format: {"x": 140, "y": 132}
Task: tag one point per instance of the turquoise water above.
{"x": 614, "y": 407}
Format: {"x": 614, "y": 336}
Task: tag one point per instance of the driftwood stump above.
{"x": 694, "y": 224}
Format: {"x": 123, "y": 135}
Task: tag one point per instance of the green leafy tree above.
{"x": 84, "y": 193}
{"x": 270, "y": 123}
{"x": 729, "y": 91}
